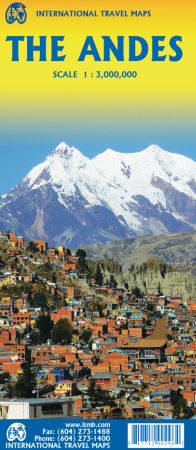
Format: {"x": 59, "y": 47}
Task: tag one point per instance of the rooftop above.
{"x": 38, "y": 401}
{"x": 158, "y": 337}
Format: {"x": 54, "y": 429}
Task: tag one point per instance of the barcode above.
{"x": 156, "y": 435}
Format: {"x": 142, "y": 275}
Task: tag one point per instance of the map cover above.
{"x": 97, "y": 224}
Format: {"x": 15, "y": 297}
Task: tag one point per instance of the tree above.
{"x": 86, "y": 335}
{"x": 98, "y": 396}
{"x": 45, "y": 325}
{"x": 121, "y": 393}
{"x": 81, "y": 254}
{"x": 112, "y": 282}
{"x": 57, "y": 301}
{"x": 29, "y": 297}
{"x": 150, "y": 307}
{"x": 163, "y": 269}
{"x": 160, "y": 293}
{"x": 75, "y": 390}
{"x": 132, "y": 268}
{"x": 54, "y": 277}
{"x": 98, "y": 276}
{"x": 181, "y": 410}
{"x": 136, "y": 291}
{"x": 2, "y": 264}
{"x": 174, "y": 396}
{"x": 35, "y": 337}
{"x": 24, "y": 385}
{"x": 91, "y": 389}
{"x": 95, "y": 360}
{"x": 39, "y": 300}
{"x": 62, "y": 332}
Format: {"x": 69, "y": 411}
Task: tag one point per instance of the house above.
{"x": 6, "y": 279}
{"x": 62, "y": 313}
{"x": 73, "y": 292}
{"x": 21, "y": 318}
{"x": 160, "y": 400}
{"x": 63, "y": 388}
{"x": 105, "y": 380}
{"x": 41, "y": 245}
{"x": 13, "y": 238}
{"x": 153, "y": 347}
{"x": 70, "y": 267}
{"x": 137, "y": 412}
{"x": 61, "y": 250}
{"x": 20, "y": 241}
{"x": 40, "y": 408}
{"x": 12, "y": 367}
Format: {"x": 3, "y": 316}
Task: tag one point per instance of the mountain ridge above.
{"x": 176, "y": 250}
{"x": 75, "y": 200}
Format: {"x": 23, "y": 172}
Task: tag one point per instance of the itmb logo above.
{"x": 16, "y": 12}
{"x": 16, "y": 431}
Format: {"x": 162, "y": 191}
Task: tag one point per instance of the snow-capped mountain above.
{"x": 75, "y": 200}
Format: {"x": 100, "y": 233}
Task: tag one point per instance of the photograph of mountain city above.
{"x": 97, "y": 223}
{"x": 97, "y": 287}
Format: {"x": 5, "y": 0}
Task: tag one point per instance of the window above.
{"x": 52, "y": 409}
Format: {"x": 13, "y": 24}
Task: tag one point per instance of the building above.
{"x": 62, "y": 313}
{"x": 21, "y": 318}
{"x": 151, "y": 348}
{"x": 63, "y": 388}
{"x": 21, "y": 241}
{"x": 6, "y": 279}
{"x": 41, "y": 245}
{"x": 40, "y": 408}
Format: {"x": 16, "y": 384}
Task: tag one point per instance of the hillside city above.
{"x": 75, "y": 345}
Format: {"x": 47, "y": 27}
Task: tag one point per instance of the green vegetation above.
{"x": 137, "y": 292}
{"x": 98, "y": 396}
{"x": 81, "y": 254}
{"x": 39, "y": 300}
{"x": 82, "y": 264}
{"x": 181, "y": 410}
{"x": 98, "y": 276}
{"x": 112, "y": 282}
{"x": 35, "y": 337}
{"x": 62, "y": 332}
{"x": 86, "y": 335}
{"x": 45, "y": 326}
{"x": 25, "y": 384}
